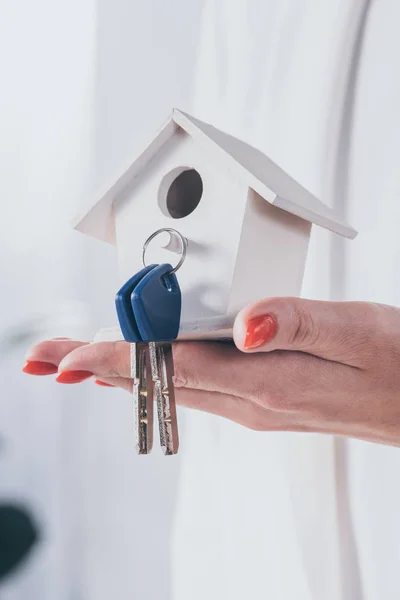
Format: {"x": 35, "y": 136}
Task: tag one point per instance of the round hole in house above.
{"x": 180, "y": 192}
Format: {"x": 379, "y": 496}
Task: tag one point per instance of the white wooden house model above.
{"x": 247, "y": 222}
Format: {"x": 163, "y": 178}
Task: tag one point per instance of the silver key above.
{"x": 142, "y": 398}
{"x": 162, "y": 370}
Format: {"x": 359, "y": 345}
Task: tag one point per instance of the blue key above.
{"x": 142, "y": 386}
{"x": 123, "y": 305}
{"x": 156, "y": 303}
{"x": 149, "y": 310}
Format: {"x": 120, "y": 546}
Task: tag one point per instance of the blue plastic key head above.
{"x": 126, "y": 317}
{"x": 156, "y": 303}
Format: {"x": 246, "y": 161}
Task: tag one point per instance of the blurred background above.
{"x": 83, "y": 86}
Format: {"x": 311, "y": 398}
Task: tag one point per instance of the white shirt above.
{"x": 316, "y": 86}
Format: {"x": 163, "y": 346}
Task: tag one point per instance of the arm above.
{"x": 297, "y": 365}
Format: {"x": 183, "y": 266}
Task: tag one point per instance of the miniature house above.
{"x": 247, "y": 222}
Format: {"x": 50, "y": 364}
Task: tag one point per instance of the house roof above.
{"x": 260, "y": 173}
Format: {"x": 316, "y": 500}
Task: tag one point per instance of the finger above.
{"x": 254, "y": 417}
{"x": 195, "y": 363}
{"x": 50, "y": 352}
{"x": 239, "y": 410}
{"x": 116, "y": 382}
{"x": 104, "y": 359}
{"x": 282, "y": 381}
{"x": 337, "y": 331}
{"x": 215, "y": 367}
{"x": 222, "y": 368}
{"x": 201, "y": 365}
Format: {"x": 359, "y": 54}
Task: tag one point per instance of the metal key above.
{"x": 142, "y": 388}
{"x": 156, "y": 304}
{"x": 149, "y": 308}
{"x": 142, "y": 397}
{"x": 151, "y": 362}
{"x": 162, "y": 370}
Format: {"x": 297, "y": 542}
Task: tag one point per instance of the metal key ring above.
{"x": 182, "y": 240}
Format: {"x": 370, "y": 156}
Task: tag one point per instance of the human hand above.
{"x": 298, "y": 365}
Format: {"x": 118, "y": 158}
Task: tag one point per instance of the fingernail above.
{"x": 260, "y": 330}
{"x": 39, "y": 367}
{"x": 103, "y": 383}
{"x": 73, "y": 376}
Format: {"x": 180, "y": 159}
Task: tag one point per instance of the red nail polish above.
{"x": 103, "y": 383}
{"x": 73, "y": 376}
{"x": 39, "y": 367}
{"x": 260, "y": 330}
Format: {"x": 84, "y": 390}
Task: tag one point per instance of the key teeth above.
{"x": 152, "y": 370}
{"x": 166, "y": 401}
{"x": 142, "y": 399}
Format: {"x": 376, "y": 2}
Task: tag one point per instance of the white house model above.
{"x": 247, "y": 223}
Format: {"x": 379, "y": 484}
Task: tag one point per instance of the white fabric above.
{"x": 316, "y": 86}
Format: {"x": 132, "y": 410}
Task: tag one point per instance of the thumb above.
{"x": 337, "y": 331}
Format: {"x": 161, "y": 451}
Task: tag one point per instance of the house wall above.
{"x": 213, "y": 229}
{"x": 272, "y": 254}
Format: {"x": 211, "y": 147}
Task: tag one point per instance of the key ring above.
{"x": 182, "y": 240}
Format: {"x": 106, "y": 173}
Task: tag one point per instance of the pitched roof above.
{"x": 260, "y": 173}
